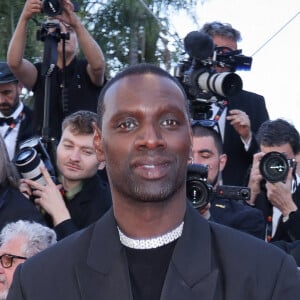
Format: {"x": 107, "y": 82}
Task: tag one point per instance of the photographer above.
{"x": 279, "y": 200}
{"x": 83, "y": 196}
{"x": 74, "y": 83}
{"x": 15, "y": 116}
{"x": 207, "y": 150}
{"x": 242, "y": 116}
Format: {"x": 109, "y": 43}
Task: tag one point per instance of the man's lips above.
{"x": 152, "y": 169}
{"x": 73, "y": 167}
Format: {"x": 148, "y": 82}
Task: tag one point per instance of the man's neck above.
{"x": 154, "y": 219}
{"x": 71, "y": 187}
{"x": 60, "y": 61}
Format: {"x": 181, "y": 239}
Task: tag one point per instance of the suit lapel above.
{"x": 192, "y": 272}
{"x": 104, "y": 272}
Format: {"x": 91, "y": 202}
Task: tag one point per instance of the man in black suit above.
{"x": 242, "y": 116}
{"x": 15, "y": 117}
{"x": 224, "y": 209}
{"x": 153, "y": 244}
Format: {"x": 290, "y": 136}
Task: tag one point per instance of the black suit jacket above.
{"x": 239, "y": 160}
{"x": 15, "y": 206}
{"x": 210, "y": 262}
{"x": 26, "y": 129}
{"x": 239, "y": 216}
{"x": 289, "y": 230}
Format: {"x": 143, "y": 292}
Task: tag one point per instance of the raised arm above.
{"x": 23, "y": 69}
{"x": 89, "y": 47}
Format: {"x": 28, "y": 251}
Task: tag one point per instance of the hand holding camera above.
{"x": 49, "y": 197}
{"x": 280, "y": 194}
{"x": 274, "y": 173}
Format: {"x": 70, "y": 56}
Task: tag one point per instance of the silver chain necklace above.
{"x": 151, "y": 243}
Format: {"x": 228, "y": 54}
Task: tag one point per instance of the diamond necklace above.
{"x": 152, "y": 243}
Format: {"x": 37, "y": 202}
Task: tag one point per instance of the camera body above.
{"x": 233, "y": 59}
{"x": 202, "y": 84}
{"x": 274, "y": 166}
{"x": 198, "y": 191}
{"x": 31, "y": 156}
{"x": 231, "y": 192}
{"x": 53, "y": 8}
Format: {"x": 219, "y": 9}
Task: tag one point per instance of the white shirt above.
{"x": 11, "y": 139}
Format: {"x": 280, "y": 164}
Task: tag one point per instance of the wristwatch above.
{"x": 286, "y": 218}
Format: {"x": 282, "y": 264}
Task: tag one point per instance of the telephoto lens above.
{"x": 28, "y": 163}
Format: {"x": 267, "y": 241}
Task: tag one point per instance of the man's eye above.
{"x": 205, "y": 156}
{"x": 128, "y": 124}
{"x": 88, "y": 152}
{"x": 67, "y": 146}
{"x": 170, "y": 123}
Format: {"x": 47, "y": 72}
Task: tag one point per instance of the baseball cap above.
{"x": 6, "y": 75}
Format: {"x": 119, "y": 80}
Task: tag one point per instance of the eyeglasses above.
{"x": 7, "y": 260}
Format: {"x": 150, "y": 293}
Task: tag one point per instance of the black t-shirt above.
{"x": 147, "y": 269}
{"x": 81, "y": 94}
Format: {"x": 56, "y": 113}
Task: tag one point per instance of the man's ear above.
{"x": 98, "y": 143}
{"x": 222, "y": 161}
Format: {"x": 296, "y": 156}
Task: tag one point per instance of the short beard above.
{"x": 150, "y": 192}
{"x": 140, "y": 194}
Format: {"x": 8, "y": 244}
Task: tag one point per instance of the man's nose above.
{"x": 151, "y": 137}
{"x": 75, "y": 155}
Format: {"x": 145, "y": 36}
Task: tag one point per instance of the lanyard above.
{"x": 222, "y": 107}
{"x": 14, "y": 124}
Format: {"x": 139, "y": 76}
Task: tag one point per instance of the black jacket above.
{"x": 209, "y": 261}
{"x": 289, "y": 230}
{"x": 239, "y": 160}
{"x": 239, "y": 216}
{"x": 15, "y": 206}
{"x": 86, "y": 207}
{"x": 26, "y": 130}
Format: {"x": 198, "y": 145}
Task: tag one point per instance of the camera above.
{"x": 31, "y": 156}
{"x": 202, "y": 84}
{"x": 52, "y": 29}
{"x": 274, "y": 166}
{"x": 53, "y": 8}
{"x": 198, "y": 191}
{"x": 231, "y": 192}
{"x": 232, "y": 59}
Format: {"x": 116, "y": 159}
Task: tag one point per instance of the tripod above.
{"x": 50, "y": 34}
